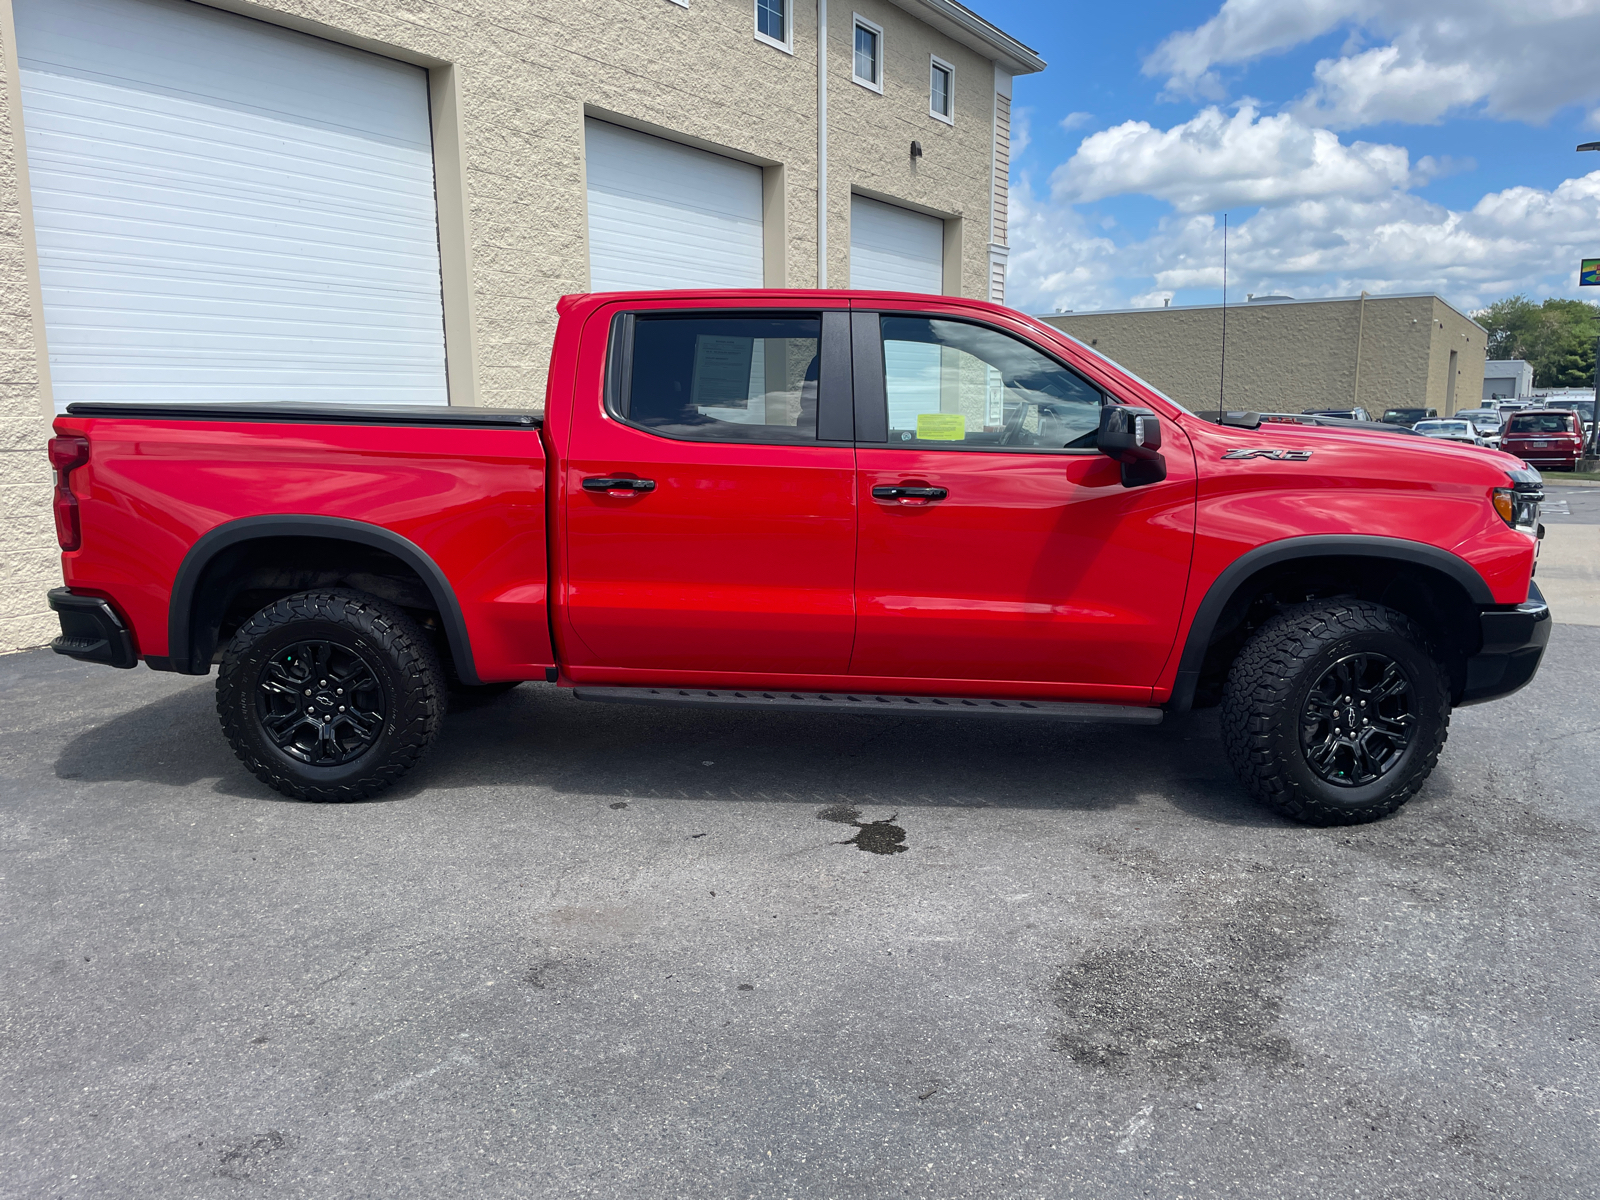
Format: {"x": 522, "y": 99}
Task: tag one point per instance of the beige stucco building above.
{"x": 1372, "y": 352}
{"x": 449, "y": 171}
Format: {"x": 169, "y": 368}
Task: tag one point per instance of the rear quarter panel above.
{"x": 471, "y": 499}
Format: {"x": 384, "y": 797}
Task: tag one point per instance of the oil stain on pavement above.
{"x": 1180, "y": 999}
{"x": 875, "y": 837}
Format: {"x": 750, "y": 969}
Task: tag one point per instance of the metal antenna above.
{"x": 1222, "y": 374}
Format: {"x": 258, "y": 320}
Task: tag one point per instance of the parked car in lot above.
{"x": 1349, "y": 414}
{"x": 1585, "y": 411}
{"x": 807, "y": 502}
{"x": 1450, "y": 429}
{"x": 1486, "y": 421}
{"x": 1544, "y": 438}
{"x": 1407, "y": 416}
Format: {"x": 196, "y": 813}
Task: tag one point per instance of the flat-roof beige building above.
{"x": 1286, "y": 355}
{"x": 382, "y": 200}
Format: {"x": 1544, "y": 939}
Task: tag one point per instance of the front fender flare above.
{"x": 1328, "y": 545}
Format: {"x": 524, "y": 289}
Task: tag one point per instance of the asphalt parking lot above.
{"x": 601, "y": 951}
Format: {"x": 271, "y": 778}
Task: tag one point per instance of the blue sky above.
{"x": 1386, "y": 145}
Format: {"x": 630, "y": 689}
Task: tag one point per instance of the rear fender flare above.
{"x": 1342, "y": 545}
{"x": 180, "y": 613}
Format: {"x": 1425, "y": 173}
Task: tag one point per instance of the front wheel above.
{"x": 1335, "y": 712}
{"x": 330, "y": 695}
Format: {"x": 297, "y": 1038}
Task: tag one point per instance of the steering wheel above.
{"x": 1014, "y": 434}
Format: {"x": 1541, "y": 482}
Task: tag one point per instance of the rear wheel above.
{"x": 1335, "y": 712}
{"x": 330, "y": 695}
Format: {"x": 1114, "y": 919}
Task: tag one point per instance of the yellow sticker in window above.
{"x": 941, "y": 427}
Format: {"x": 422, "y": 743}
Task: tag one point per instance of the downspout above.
{"x": 1361, "y": 325}
{"x": 822, "y": 143}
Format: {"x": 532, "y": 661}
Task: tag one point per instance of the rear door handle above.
{"x": 903, "y": 492}
{"x": 611, "y": 483}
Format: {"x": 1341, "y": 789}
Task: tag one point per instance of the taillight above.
{"x": 66, "y": 454}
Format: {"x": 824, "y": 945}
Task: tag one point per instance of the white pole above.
{"x": 822, "y": 143}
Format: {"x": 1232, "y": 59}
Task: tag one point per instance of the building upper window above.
{"x": 941, "y": 90}
{"x": 773, "y": 24}
{"x": 866, "y": 67}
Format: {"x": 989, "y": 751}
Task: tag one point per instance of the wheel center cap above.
{"x": 325, "y": 700}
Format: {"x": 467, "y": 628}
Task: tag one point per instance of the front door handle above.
{"x": 909, "y": 492}
{"x": 612, "y": 483}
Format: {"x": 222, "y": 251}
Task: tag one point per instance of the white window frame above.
{"x": 787, "y": 45}
{"x": 937, "y": 63}
{"x": 860, "y": 22}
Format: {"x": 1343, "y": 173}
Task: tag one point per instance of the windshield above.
{"x": 1404, "y": 414}
{"x": 1585, "y": 408}
{"x": 1548, "y": 422}
{"x": 1442, "y": 427}
{"x": 1111, "y": 362}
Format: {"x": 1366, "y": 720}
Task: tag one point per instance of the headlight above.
{"x": 1518, "y": 505}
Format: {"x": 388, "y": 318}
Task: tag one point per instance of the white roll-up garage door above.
{"x": 894, "y": 249}
{"x": 662, "y": 215}
{"x": 228, "y": 210}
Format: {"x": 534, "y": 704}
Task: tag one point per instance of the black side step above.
{"x": 872, "y": 702}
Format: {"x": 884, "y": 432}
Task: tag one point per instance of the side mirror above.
{"x": 1132, "y": 436}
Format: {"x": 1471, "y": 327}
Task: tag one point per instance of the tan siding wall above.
{"x": 525, "y": 72}
{"x": 1290, "y": 357}
{"x": 29, "y": 563}
{"x": 1002, "y": 169}
{"x": 1452, "y": 331}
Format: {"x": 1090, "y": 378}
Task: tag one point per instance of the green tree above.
{"x": 1556, "y": 337}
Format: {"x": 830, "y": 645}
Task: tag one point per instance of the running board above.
{"x": 872, "y": 702}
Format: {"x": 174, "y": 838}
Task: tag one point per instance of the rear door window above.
{"x": 721, "y": 377}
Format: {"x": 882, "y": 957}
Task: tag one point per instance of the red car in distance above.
{"x": 1544, "y": 437}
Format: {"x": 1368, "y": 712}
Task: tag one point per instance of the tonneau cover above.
{"x": 331, "y": 413}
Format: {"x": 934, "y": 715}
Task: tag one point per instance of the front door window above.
{"x": 952, "y": 385}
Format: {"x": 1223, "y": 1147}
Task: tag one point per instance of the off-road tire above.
{"x": 399, "y": 655}
{"x": 1271, "y": 681}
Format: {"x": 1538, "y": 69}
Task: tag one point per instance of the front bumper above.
{"x": 1513, "y": 644}
{"x": 91, "y": 630}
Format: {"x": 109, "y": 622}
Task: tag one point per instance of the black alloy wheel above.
{"x": 330, "y": 694}
{"x": 320, "y": 702}
{"x": 1358, "y": 720}
{"x": 1335, "y": 711}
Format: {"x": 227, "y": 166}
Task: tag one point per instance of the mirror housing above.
{"x": 1132, "y": 436}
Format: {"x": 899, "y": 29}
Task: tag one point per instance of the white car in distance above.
{"x": 1451, "y": 429}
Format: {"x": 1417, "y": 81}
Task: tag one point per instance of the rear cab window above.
{"x": 718, "y": 376}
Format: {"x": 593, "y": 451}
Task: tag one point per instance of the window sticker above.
{"x": 941, "y": 427}
{"x": 721, "y": 372}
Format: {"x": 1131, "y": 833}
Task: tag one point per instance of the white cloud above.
{"x": 1075, "y": 120}
{"x": 1510, "y": 59}
{"x": 1054, "y": 254}
{"x": 1244, "y": 30}
{"x": 1216, "y": 161}
{"x": 1519, "y": 239}
{"x": 1021, "y": 131}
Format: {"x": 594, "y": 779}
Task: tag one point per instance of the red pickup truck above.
{"x": 816, "y": 501}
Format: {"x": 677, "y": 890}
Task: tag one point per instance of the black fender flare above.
{"x": 1328, "y": 545}
{"x": 180, "y": 610}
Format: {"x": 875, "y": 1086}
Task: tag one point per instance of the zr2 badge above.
{"x": 1277, "y": 455}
